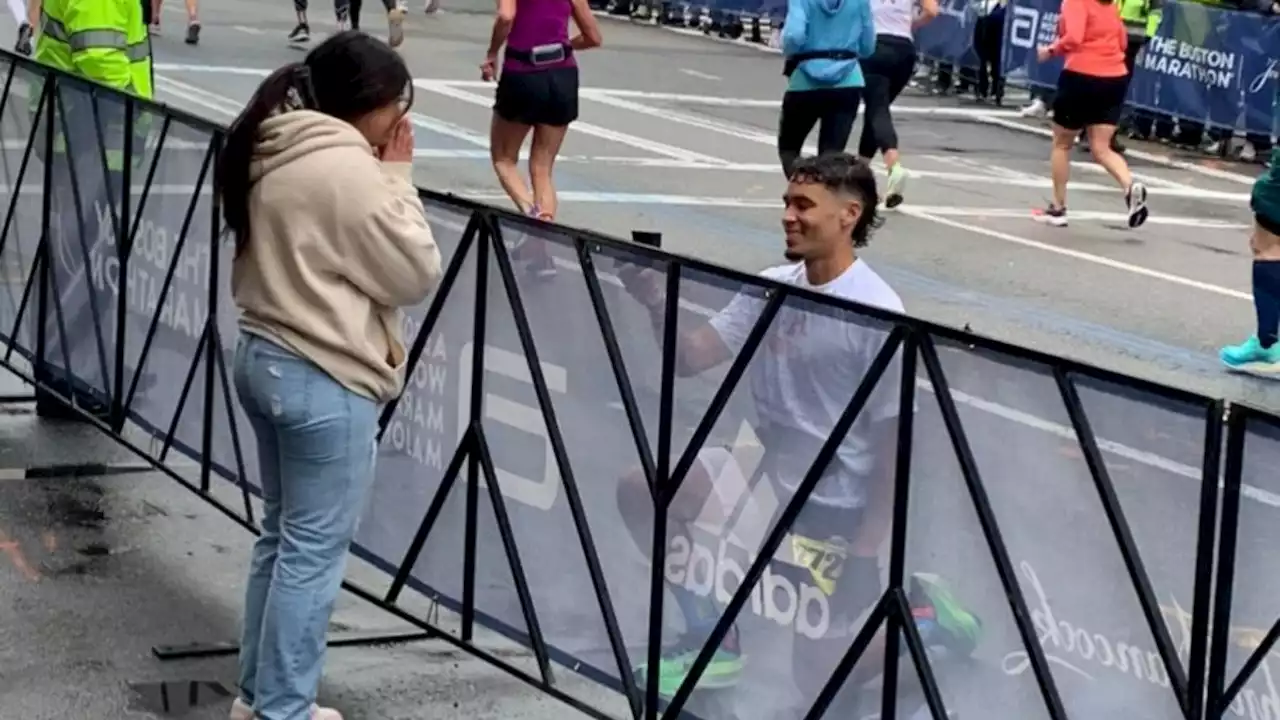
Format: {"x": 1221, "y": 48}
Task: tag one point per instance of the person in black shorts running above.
{"x": 887, "y": 73}
{"x": 1091, "y": 95}
{"x": 538, "y": 91}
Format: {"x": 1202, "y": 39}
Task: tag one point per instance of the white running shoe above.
{"x": 431, "y": 7}
{"x": 1136, "y": 199}
{"x": 1037, "y": 109}
{"x": 395, "y": 26}
{"x": 241, "y": 711}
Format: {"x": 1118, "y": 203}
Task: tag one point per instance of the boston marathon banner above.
{"x": 1028, "y": 25}
{"x": 949, "y": 38}
{"x": 1205, "y": 64}
{"x": 1213, "y": 65}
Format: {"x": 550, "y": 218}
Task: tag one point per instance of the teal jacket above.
{"x": 1265, "y": 198}
{"x": 828, "y": 25}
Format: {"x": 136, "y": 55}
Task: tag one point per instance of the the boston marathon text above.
{"x": 185, "y": 305}
{"x": 418, "y": 428}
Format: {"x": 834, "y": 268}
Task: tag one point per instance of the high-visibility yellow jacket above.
{"x": 102, "y": 40}
{"x": 1140, "y": 15}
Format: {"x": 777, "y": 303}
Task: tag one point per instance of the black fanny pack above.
{"x": 540, "y": 55}
{"x": 793, "y": 61}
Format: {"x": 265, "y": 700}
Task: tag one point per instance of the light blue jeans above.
{"x": 316, "y": 445}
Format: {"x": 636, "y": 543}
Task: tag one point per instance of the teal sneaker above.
{"x": 955, "y": 627}
{"x": 1250, "y": 356}
{"x": 724, "y": 670}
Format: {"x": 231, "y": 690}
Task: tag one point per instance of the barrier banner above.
{"x": 1085, "y": 614}
{"x": 1028, "y": 25}
{"x": 948, "y": 38}
{"x": 22, "y": 201}
{"x": 820, "y": 495}
{"x": 1204, "y": 64}
{"x": 1254, "y": 606}
{"x": 1212, "y": 65}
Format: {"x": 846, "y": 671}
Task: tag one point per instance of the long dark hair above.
{"x": 347, "y": 76}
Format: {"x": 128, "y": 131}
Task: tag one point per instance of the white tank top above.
{"x": 894, "y": 17}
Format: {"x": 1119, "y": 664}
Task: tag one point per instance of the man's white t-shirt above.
{"x": 806, "y": 371}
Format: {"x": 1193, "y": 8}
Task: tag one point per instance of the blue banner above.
{"x": 1028, "y": 25}
{"x": 1204, "y": 63}
{"x": 949, "y": 37}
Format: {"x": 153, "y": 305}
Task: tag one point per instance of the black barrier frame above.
{"x": 1202, "y": 692}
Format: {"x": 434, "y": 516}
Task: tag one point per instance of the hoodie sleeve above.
{"x": 392, "y": 253}
{"x": 795, "y": 28}
{"x": 867, "y": 40}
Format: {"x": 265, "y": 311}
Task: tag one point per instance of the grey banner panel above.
{"x": 179, "y": 195}
{"x": 86, "y": 187}
{"x": 422, "y": 436}
{"x": 1082, "y": 602}
{"x": 1255, "y": 604}
{"x": 21, "y": 199}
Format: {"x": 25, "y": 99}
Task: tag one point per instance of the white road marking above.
{"x": 700, "y": 75}
{"x": 1010, "y": 177}
{"x": 18, "y": 10}
{"x": 199, "y": 96}
{"x": 653, "y": 146}
{"x": 1087, "y": 215}
{"x": 226, "y": 106}
{"x": 1162, "y": 160}
{"x": 449, "y": 129}
{"x": 249, "y": 30}
{"x": 770, "y": 203}
{"x": 230, "y": 108}
{"x": 211, "y": 69}
{"x": 1078, "y": 255}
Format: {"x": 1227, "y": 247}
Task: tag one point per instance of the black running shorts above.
{"x": 1084, "y": 100}
{"x": 539, "y": 97}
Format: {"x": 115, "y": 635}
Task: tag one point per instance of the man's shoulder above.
{"x": 782, "y": 273}
{"x": 864, "y": 285}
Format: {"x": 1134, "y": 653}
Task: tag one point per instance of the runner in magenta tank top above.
{"x": 538, "y": 91}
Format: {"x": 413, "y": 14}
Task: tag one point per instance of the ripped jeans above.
{"x": 316, "y": 446}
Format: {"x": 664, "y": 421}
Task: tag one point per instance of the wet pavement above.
{"x": 96, "y": 571}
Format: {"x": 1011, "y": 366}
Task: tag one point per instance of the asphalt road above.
{"x": 676, "y": 136}
{"x": 695, "y": 163}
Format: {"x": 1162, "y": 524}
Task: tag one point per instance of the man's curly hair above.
{"x": 842, "y": 172}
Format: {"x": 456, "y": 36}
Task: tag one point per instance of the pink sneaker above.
{"x": 241, "y": 711}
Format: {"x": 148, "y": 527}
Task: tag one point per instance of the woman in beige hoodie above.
{"x": 331, "y": 240}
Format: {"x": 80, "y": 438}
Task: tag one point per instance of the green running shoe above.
{"x": 723, "y": 671}
{"x": 960, "y": 630}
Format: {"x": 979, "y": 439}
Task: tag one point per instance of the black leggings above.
{"x": 345, "y": 8}
{"x": 834, "y": 108}
{"x": 887, "y": 72}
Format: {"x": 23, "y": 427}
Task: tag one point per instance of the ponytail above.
{"x": 285, "y": 89}
{"x": 347, "y": 76}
